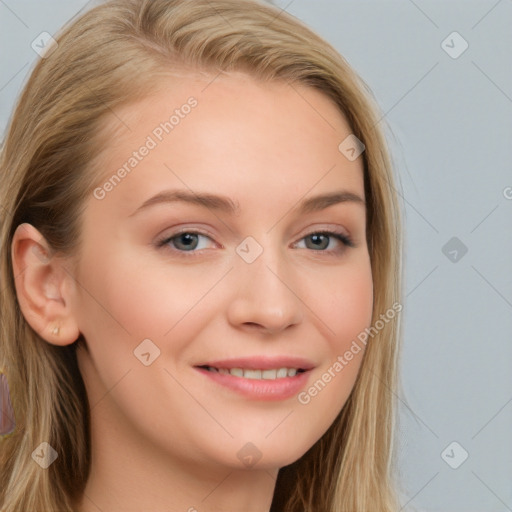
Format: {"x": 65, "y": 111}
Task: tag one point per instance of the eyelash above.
{"x": 342, "y": 237}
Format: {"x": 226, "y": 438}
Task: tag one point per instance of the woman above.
{"x": 255, "y": 373}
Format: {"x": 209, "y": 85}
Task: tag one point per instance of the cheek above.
{"x": 127, "y": 301}
{"x": 123, "y": 303}
{"x": 348, "y": 304}
{"x": 347, "y": 312}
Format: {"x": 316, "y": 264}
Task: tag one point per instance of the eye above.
{"x": 320, "y": 240}
{"x": 185, "y": 241}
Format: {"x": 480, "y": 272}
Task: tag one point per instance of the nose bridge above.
{"x": 266, "y": 291}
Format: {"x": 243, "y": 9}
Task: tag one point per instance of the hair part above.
{"x": 113, "y": 55}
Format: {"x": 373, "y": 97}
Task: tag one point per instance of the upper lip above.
{"x": 261, "y": 363}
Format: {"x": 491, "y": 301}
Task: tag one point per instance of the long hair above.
{"x": 110, "y": 56}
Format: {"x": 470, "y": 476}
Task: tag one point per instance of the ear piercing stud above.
{"x": 55, "y": 330}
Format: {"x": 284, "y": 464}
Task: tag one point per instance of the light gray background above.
{"x": 451, "y": 138}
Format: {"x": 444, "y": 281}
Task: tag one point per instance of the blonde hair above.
{"x": 111, "y": 56}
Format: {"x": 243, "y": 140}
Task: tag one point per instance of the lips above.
{"x": 260, "y": 377}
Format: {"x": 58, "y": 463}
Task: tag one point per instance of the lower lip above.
{"x": 260, "y": 389}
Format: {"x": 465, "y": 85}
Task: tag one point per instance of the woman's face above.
{"x": 203, "y": 263}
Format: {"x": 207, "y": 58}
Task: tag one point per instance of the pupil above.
{"x": 317, "y": 241}
{"x": 187, "y": 239}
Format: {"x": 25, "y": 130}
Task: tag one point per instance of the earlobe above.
{"x": 41, "y": 287}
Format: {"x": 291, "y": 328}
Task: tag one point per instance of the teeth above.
{"x": 256, "y": 374}
{"x": 252, "y": 374}
{"x": 237, "y": 372}
{"x": 269, "y": 374}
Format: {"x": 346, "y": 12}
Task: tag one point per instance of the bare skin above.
{"x": 165, "y": 436}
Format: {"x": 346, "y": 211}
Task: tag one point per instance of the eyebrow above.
{"x": 227, "y": 205}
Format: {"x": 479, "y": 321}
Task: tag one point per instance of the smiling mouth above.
{"x": 269, "y": 374}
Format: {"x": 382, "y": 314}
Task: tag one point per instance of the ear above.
{"x": 44, "y": 287}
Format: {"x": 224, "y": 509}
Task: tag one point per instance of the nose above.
{"x": 266, "y": 296}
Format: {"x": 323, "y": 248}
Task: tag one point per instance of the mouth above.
{"x": 257, "y": 374}
{"x": 259, "y": 377}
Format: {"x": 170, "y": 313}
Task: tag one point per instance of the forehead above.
{"x": 231, "y": 133}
